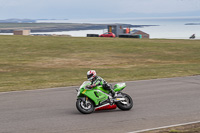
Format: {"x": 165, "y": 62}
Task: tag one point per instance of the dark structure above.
{"x": 139, "y": 32}
{"x": 92, "y": 35}
{"x": 130, "y": 36}
{"x": 192, "y": 36}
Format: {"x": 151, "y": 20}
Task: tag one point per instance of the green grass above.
{"x": 34, "y": 62}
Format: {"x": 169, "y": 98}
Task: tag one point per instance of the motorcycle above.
{"x": 90, "y": 100}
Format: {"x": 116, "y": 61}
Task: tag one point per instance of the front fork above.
{"x": 86, "y": 100}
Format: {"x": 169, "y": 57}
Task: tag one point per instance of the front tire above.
{"x": 83, "y": 107}
{"x": 127, "y": 106}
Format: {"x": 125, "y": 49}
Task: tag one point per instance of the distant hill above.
{"x": 14, "y": 20}
{"x": 192, "y": 24}
{"x": 55, "y": 27}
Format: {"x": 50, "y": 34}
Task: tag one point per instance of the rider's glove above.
{"x": 92, "y": 86}
{"x": 89, "y": 86}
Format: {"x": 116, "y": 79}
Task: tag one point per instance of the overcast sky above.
{"x": 84, "y": 9}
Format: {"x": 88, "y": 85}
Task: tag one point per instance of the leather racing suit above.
{"x": 100, "y": 81}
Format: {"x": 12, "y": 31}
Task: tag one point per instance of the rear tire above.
{"x": 127, "y": 106}
{"x": 83, "y": 107}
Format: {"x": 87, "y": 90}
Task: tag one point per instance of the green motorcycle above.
{"x": 89, "y": 100}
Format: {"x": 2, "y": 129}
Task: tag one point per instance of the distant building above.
{"x": 124, "y": 30}
{"x": 119, "y": 29}
{"x": 21, "y": 32}
{"x": 139, "y": 32}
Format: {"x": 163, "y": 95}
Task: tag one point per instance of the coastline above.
{"x": 156, "y": 28}
{"x": 57, "y": 27}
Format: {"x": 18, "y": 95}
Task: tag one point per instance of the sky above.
{"x": 90, "y": 9}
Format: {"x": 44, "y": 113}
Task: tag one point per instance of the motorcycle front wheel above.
{"x": 85, "y": 107}
{"x": 127, "y": 106}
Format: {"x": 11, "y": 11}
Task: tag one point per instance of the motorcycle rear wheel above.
{"x": 127, "y": 106}
{"x": 83, "y": 107}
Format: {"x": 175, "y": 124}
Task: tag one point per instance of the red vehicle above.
{"x": 107, "y": 34}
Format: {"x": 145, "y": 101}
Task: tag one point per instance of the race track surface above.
{"x": 157, "y": 102}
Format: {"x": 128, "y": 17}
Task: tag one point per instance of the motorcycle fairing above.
{"x": 96, "y": 95}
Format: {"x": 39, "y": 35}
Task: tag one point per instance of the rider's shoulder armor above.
{"x": 99, "y": 81}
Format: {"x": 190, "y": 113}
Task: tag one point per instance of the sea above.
{"x": 164, "y": 28}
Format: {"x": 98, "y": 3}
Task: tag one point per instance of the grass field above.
{"x": 35, "y": 62}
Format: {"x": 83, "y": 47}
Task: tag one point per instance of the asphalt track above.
{"x": 157, "y": 103}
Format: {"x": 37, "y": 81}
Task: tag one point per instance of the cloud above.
{"x": 91, "y": 8}
{"x": 156, "y": 6}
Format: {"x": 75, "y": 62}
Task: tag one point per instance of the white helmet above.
{"x": 91, "y": 74}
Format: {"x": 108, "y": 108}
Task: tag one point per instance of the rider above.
{"x": 96, "y": 81}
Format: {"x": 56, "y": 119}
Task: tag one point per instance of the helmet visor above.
{"x": 89, "y": 76}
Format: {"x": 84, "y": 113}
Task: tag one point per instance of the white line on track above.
{"x": 151, "y": 129}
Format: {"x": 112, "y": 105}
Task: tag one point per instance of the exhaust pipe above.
{"x": 106, "y": 107}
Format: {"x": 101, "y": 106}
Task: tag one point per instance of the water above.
{"x": 79, "y": 33}
{"x": 6, "y": 33}
{"x": 170, "y": 28}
